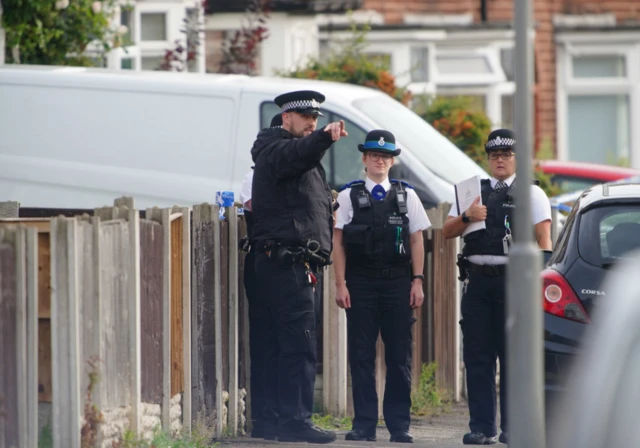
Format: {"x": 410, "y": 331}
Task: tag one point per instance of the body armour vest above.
{"x": 500, "y": 213}
{"x": 378, "y": 235}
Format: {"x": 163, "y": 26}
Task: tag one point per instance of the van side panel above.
{"x": 88, "y": 144}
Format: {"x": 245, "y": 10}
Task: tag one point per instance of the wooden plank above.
{"x": 44, "y": 275}
{"x": 177, "y": 382}
{"x": 445, "y": 323}
{"x": 88, "y": 303}
{"x": 114, "y": 254}
{"x": 232, "y": 278}
{"x": 224, "y": 295}
{"x": 9, "y": 430}
{"x": 186, "y": 320}
{"x": 133, "y": 293}
{"x": 166, "y": 320}
{"x": 243, "y": 318}
{"x": 45, "y": 380}
{"x": 217, "y": 312}
{"x": 20, "y": 361}
{"x": 204, "y": 341}
{"x": 65, "y": 333}
{"x": 334, "y": 376}
{"x": 32, "y": 337}
{"x": 42, "y": 225}
{"x": 151, "y": 281}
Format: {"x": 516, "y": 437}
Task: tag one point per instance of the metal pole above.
{"x": 525, "y": 401}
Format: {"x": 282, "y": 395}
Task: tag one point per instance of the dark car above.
{"x": 604, "y": 225}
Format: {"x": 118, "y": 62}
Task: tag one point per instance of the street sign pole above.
{"x": 525, "y": 401}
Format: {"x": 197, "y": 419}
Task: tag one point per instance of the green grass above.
{"x": 330, "y": 422}
{"x": 45, "y": 440}
{"x": 429, "y": 399}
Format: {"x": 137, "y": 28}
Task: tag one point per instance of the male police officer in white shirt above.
{"x": 485, "y": 255}
{"x": 378, "y": 258}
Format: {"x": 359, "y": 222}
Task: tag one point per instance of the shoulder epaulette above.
{"x": 352, "y": 184}
{"x": 485, "y": 181}
{"x": 403, "y": 183}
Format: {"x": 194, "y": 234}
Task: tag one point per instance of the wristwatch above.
{"x": 420, "y": 276}
{"x": 465, "y": 218}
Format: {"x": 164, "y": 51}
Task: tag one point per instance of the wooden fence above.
{"x": 153, "y": 303}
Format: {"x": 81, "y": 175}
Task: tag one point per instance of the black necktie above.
{"x": 500, "y": 186}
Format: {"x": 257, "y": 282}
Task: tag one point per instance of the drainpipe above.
{"x": 483, "y": 11}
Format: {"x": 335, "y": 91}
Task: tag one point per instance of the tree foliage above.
{"x": 348, "y": 63}
{"x": 58, "y": 32}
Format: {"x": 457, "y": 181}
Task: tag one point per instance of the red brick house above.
{"x": 587, "y": 61}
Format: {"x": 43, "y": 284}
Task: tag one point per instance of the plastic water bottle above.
{"x": 224, "y": 199}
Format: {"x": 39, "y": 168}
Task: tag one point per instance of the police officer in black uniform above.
{"x": 257, "y": 310}
{"x": 378, "y": 259}
{"x": 483, "y": 267}
{"x": 292, "y": 236}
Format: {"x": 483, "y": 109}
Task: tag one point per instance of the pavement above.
{"x": 435, "y": 431}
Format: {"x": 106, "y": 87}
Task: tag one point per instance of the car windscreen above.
{"x": 608, "y": 233}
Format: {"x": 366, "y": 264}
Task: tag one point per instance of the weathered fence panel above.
{"x": 207, "y": 353}
{"x": 151, "y": 281}
{"x": 9, "y": 429}
{"x": 65, "y": 329}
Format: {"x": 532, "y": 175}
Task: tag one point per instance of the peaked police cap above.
{"x": 380, "y": 141}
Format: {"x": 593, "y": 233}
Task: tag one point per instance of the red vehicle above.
{"x": 572, "y": 176}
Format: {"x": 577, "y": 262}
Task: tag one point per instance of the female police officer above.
{"x": 378, "y": 258}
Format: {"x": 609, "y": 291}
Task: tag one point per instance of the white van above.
{"x": 80, "y": 137}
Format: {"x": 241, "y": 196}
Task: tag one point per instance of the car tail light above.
{"x": 559, "y": 299}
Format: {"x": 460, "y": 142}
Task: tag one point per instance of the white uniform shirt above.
{"x": 418, "y": 220}
{"x": 245, "y": 191}
{"x": 540, "y": 211}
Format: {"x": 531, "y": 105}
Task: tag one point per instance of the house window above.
{"x": 153, "y": 26}
{"x": 599, "y": 128}
{"x": 598, "y": 97}
{"x": 151, "y": 62}
{"x": 419, "y": 64}
{"x": 599, "y": 66}
{"x": 468, "y": 65}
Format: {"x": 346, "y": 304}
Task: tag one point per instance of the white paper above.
{"x": 466, "y": 192}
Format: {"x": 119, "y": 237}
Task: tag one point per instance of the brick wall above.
{"x": 501, "y": 11}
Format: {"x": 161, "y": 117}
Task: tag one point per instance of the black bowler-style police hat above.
{"x": 301, "y": 101}
{"x": 276, "y": 121}
{"x": 503, "y": 139}
{"x": 380, "y": 141}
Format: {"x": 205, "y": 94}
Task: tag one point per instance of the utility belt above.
{"x": 490, "y": 270}
{"x": 310, "y": 253}
{"x": 384, "y": 273}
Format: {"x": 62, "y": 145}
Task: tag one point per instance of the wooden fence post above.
{"x": 232, "y": 415}
{"x": 217, "y": 312}
{"x": 163, "y": 216}
{"x": 64, "y": 333}
{"x": 334, "y": 364}
{"x": 32, "y": 336}
{"x": 134, "y": 322}
{"x": 186, "y": 317}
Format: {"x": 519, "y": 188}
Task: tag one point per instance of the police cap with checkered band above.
{"x": 502, "y": 139}
{"x": 301, "y": 101}
{"x": 380, "y": 141}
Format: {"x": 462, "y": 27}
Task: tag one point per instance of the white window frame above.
{"x": 175, "y": 12}
{"x": 601, "y": 44}
{"x": 399, "y": 43}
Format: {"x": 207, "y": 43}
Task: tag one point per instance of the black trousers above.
{"x": 380, "y": 306}
{"x": 258, "y": 327}
{"x": 290, "y": 352}
{"x": 483, "y": 327}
